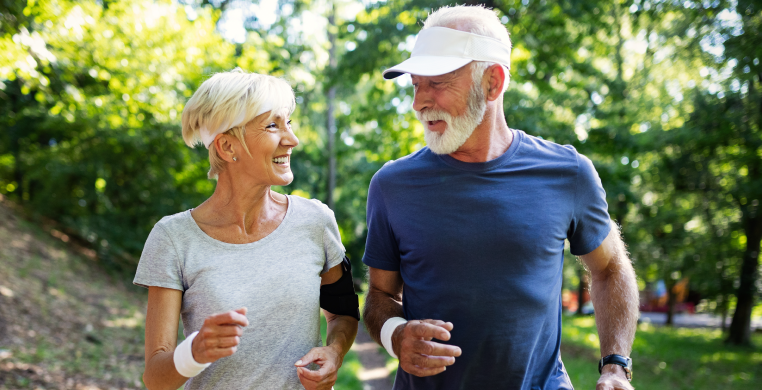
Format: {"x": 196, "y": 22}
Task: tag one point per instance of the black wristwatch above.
{"x": 619, "y": 360}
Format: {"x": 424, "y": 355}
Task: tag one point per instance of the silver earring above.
{"x": 235, "y": 159}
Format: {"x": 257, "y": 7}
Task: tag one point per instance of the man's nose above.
{"x": 422, "y": 98}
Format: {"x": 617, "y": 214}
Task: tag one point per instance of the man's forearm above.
{"x": 614, "y": 292}
{"x": 379, "y": 307}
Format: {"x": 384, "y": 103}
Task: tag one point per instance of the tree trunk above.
{"x": 671, "y": 298}
{"x": 740, "y": 328}
{"x": 581, "y": 288}
{"x": 724, "y": 313}
{"x": 331, "y": 119}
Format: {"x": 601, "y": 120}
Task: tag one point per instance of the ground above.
{"x": 64, "y": 322}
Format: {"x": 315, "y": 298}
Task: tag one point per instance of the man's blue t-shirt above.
{"x": 481, "y": 245}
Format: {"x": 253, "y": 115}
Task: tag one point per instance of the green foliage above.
{"x": 91, "y": 102}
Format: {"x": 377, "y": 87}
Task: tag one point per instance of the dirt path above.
{"x": 374, "y": 375}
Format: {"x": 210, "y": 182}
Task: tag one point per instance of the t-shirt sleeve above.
{"x": 159, "y": 263}
{"x": 591, "y": 222}
{"x": 381, "y": 247}
{"x": 334, "y": 249}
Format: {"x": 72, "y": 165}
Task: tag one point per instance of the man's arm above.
{"x": 614, "y": 291}
{"x": 383, "y": 301}
{"x": 418, "y": 355}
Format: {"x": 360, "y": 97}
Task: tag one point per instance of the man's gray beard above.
{"x": 458, "y": 128}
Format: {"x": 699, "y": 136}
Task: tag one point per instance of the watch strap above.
{"x": 619, "y": 360}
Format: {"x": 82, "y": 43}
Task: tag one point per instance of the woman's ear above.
{"x": 225, "y": 148}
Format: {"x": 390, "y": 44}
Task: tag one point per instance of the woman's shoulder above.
{"x": 173, "y": 223}
{"x": 311, "y": 208}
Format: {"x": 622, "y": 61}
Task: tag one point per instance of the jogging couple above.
{"x": 464, "y": 248}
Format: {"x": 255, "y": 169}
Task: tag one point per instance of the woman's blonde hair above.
{"x": 227, "y": 96}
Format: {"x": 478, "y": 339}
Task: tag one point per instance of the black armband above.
{"x": 339, "y": 297}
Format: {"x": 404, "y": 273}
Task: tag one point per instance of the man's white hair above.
{"x": 475, "y": 19}
{"x": 230, "y": 95}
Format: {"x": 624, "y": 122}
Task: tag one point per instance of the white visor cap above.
{"x": 208, "y": 136}
{"x": 440, "y": 50}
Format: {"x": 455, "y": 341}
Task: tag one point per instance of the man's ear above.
{"x": 224, "y": 146}
{"x": 496, "y": 80}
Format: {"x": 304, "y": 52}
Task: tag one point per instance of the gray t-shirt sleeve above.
{"x": 159, "y": 263}
{"x": 332, "y": 246}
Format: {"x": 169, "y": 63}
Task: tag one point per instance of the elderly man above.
{"x": 472, "y": 228}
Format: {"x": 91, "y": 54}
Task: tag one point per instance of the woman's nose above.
{"x": 290, "y": 139}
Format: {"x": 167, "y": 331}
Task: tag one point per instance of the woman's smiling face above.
{"x": 270, "y": 141}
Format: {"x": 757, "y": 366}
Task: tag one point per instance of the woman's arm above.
{"x": 340, "y": 335}
{"x": 162, "y": 320}
{"x": 342, "y": 330}
{"x": 218, "y": 337}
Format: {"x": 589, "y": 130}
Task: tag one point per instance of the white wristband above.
{"x": 386, "y": 333}
{"x": 185, "y": 364}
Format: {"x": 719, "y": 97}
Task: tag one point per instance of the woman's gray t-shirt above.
{"x": 276, "y": 278}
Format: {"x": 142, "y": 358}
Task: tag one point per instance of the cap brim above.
{"x": 426, "y": 66}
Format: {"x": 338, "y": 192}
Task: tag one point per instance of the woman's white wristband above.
{"x": 388, "y": 330}
{"x": 183, "y": 357}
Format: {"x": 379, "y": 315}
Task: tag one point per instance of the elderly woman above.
{"x": 248, "y": 269}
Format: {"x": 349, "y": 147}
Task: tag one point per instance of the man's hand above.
{"x": 613, "y": 378}
{"x": 329, "y": 361}
{"x": 419, "y": 355}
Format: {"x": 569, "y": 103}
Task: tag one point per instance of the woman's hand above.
{"x": 329, "y": 360}
{"x": 219, "y": 336}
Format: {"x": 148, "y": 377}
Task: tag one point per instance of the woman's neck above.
{"x": 250, "y": 207}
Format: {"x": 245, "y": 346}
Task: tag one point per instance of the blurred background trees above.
{"x": 664, "y": 96}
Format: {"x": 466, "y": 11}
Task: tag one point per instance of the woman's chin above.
{"x": 284, "y": 179}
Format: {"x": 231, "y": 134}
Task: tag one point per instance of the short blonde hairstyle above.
{"x": 227, "y": 96}
{"x": 476, "y": 19}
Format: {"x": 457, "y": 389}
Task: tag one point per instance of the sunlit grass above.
{"x": 664, "y": 358}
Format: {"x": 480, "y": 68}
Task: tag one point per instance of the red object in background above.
{"x": 649, "y": 302}
{"x": 569, "y": 300}
{"x": 684, "y": 307}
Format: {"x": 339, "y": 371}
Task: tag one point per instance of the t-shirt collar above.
{"x": 484, "y": 166}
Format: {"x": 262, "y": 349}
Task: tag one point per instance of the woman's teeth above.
{"x": 280, "y": 160}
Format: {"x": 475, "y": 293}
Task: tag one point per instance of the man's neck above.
{"x": 490, "y": 140}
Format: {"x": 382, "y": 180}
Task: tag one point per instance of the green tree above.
{"x": 91, "y": 99}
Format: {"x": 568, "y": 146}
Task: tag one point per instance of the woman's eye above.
{"x": 289, "y": 122}
{"x": 271, "y": 126}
